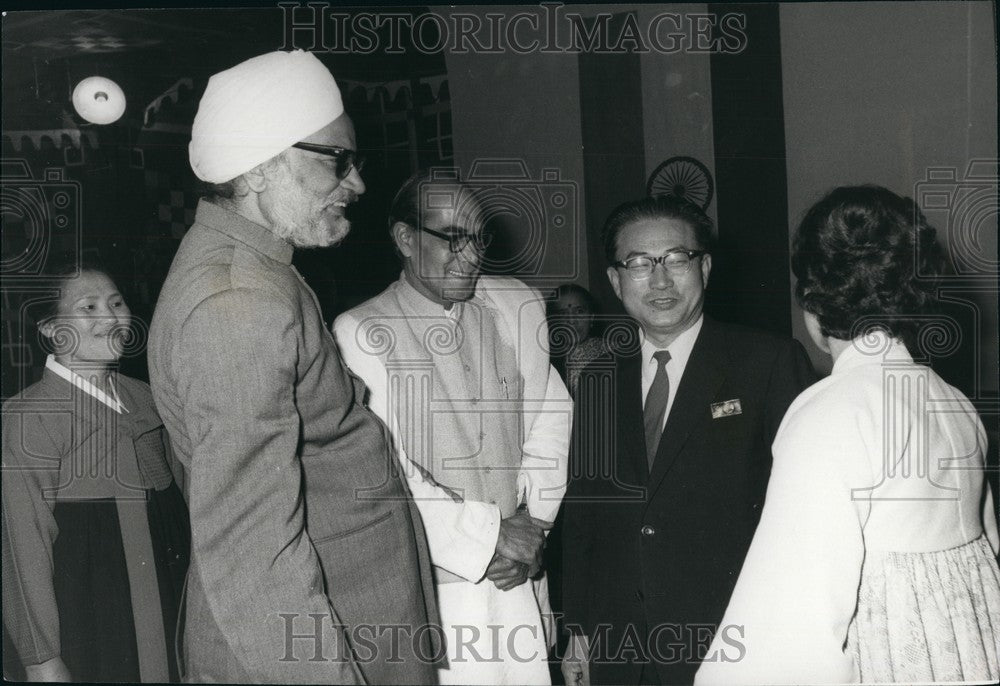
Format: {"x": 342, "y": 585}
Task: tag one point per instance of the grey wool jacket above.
{"x": 301, "y": 523}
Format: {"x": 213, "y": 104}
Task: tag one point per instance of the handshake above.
{"x": 518, "y": 555}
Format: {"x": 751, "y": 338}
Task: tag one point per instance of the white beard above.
{"x": 311, "y": 234}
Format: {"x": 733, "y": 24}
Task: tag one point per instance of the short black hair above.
{"x": 216, "y": 191}
{"x": 62, "y": 272}
{"x": 657, "y": 207}
{"x": 865, "y": 253}
{"x": 405, "y": 205}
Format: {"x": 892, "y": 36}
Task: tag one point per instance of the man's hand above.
{"x": 521, "y": 539}
{"x": 506, "y": 574}
{"x": 575, "y": 665}
{"x": 52, "y": 670}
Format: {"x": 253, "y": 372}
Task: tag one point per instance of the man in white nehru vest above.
{"x": 309, "y": 563}
{"x": 456, "y": 364}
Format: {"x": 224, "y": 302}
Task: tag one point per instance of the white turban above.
{"x": 257, "y": 109}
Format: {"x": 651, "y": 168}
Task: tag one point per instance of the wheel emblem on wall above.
{"x": 683, "y": 177}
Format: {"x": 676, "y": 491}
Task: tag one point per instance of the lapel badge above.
{"x": 727, "y": 408}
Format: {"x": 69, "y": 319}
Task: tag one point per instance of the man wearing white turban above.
{"x": 309, "y": 562}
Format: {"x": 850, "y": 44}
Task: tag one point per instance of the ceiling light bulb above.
{"x": 99, "y": 100}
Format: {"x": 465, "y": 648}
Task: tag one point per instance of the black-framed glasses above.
{"x": 677, "y": 262}
{"x": 346, "y": 158}
{"x": 458, "y": 238}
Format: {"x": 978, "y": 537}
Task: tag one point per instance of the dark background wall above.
{"x": 820, "y": 95}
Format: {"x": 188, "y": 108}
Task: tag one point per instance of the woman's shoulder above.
{"x": 822, "y": 410}
{"x": 137, "y": 396}
{"x": 48, "y": 389}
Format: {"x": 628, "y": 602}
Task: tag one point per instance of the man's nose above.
{"x": 354, "y": 182}
{"x": 660, "y": 277}
{"x": 472, "y": 253}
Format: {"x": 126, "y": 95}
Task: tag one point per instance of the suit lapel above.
{"x": 706, "y": 369}
{"x": 629, "y": 401}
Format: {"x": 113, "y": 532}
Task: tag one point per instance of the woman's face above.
{"x": 92, "y": 321}
{"x": 572, "y": 309}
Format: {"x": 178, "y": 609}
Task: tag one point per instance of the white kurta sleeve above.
{"x": 461, "y": 534}
{"x": 788, "y": 618}
{"x": 548, "y": 408}
{"x": 542, "y": 477}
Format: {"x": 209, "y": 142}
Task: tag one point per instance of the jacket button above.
{"x": 648, "y": 530}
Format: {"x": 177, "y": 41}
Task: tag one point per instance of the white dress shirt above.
{"x": 680, "y": 353}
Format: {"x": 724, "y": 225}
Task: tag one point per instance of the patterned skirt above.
{"x": 928, "y": 617}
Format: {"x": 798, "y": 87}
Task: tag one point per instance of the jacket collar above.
{"x": 241, "y": 229}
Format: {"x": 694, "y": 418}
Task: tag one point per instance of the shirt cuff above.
{"x": 480, "y": 527}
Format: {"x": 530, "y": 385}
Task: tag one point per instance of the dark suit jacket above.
{"x": 300, "y": 520}
{"x": 651, "y": 558}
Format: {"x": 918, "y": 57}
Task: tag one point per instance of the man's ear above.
{"x": 706, "y": 269}
{"x": 48, "y": 327}
{"x": 613, "y": 277}
{"x": 404, "y": 237}
{"x": 257, "y": 178}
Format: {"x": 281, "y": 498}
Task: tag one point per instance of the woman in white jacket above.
{"x": 875, "y": 558}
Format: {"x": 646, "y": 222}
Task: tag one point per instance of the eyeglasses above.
{"x": 571, "y": 311}
{"x": 346, "y": 158}
{"x": 459, "y": 238}
{"x": 677, "y": 262}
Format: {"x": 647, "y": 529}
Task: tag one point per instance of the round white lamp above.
{"x": 99, "y": 100}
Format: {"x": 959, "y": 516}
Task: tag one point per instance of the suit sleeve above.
{"x": 461, "y": 534}
{"x": 587, "y": 452}
{"x": 791, "y": 374}
{"x": 548, "y": 414}
{"x": 29, "y": 529}
{"x": 788, "y": 618}
{"x": 250, "y": 551}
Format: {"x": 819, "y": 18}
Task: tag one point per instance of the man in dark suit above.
{"x": 670, "y": 459}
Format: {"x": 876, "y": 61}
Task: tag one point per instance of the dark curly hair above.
{"x": 863, "y": 253}
{"x": 657, "y": 207}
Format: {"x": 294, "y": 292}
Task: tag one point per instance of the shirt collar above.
{"x": 240, "y": 228}
{"x": 419, "y": 304}
{"x": 876, "y": 347}
{"x": 680, "y": 349}
{"x": 110, "y": 399}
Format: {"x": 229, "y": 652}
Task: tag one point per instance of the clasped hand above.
{"x": 518, "y": 555}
